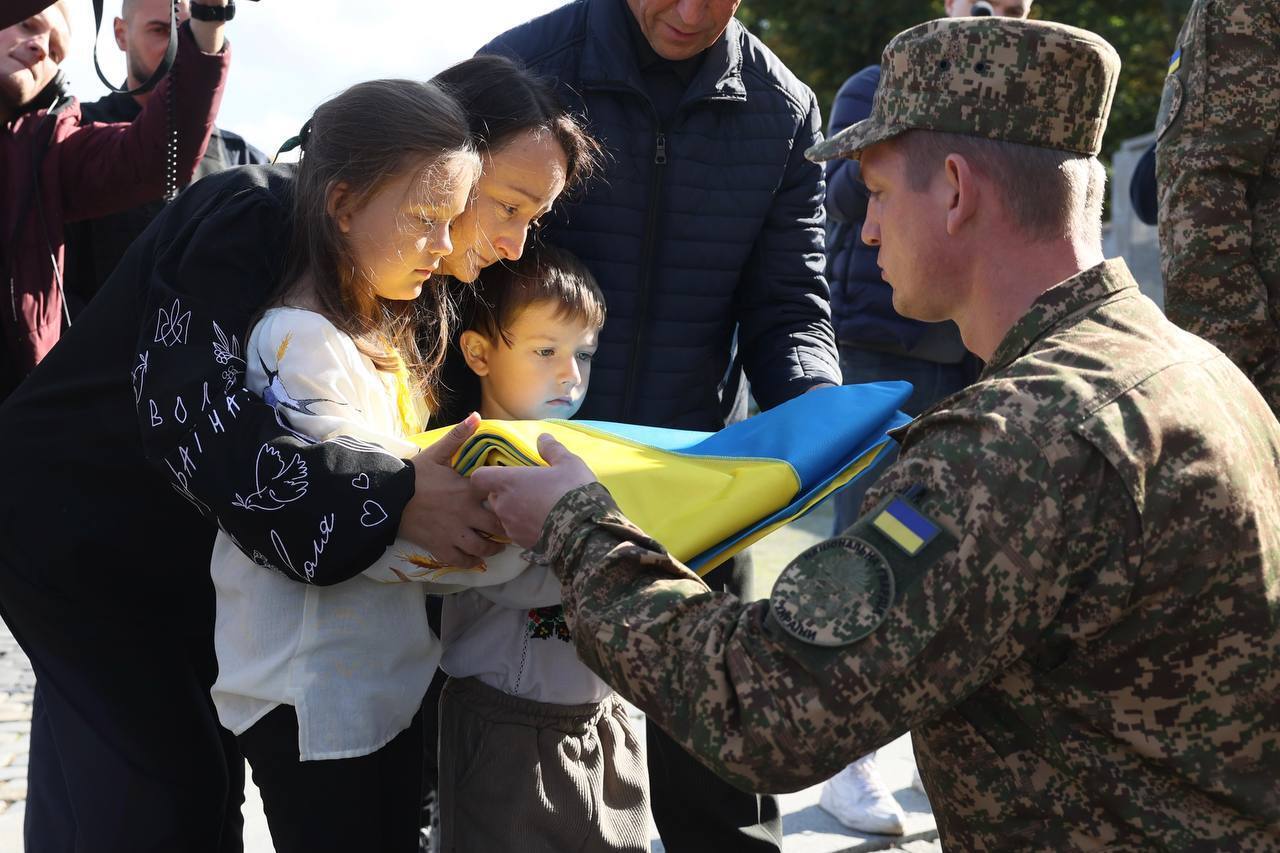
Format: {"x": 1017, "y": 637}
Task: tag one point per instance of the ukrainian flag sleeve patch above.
{"x": 1175, "y": 61}
{"x": 905, "y": 526}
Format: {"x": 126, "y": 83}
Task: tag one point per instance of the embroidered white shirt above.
{"x": 504, "y": 636}
{"x": 354, "y": 658}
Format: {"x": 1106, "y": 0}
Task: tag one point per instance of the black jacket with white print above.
{"x": 136, "y": 437}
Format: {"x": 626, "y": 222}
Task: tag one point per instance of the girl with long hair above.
{"x": 322, "y": 685}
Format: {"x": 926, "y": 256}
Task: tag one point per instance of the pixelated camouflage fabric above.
{"x": 1030, "y": 82}
{"x": 1093, "y": 662}
{"x": 1218, "y": 172}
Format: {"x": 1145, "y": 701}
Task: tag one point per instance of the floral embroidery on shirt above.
{"x": 547, "y": 623}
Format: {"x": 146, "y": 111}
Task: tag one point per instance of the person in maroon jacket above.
{"x": 84, "y": 794}
{"x": 56, "y": 169}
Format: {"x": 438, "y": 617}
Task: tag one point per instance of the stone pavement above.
{"x": 808, "y": 828}
{"x": 16, "y": 685}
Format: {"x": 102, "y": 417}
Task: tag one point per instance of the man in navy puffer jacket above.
{"x": 708, "y": 216}
{"x": 705, "y": 233}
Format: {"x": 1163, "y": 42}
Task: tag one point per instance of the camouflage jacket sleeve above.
{"x": 770, "y": 708}
{"x": 1218, "y": 123}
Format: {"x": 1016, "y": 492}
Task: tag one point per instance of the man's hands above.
{"x": 447, "y": 515}
{"x": 523, "y": 497}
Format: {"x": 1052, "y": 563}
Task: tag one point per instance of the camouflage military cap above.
{"x": 1033, "y": 82}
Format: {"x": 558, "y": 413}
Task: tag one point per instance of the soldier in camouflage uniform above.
{"x": 1068, "y": 587}
{"x": 1218, "y": 173}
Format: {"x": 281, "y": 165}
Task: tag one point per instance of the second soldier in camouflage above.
{"x": 1218, "y": 171}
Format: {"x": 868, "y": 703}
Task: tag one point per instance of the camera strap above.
{"x": 162, "y": 69}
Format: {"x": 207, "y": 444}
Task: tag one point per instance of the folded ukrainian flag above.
{"x": 706, "y": 496}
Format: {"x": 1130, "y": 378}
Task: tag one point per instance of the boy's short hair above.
{"x": 542, "y": 274}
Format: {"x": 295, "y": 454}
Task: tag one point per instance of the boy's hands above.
{"x": 523, "y": 497}
{"x": 447, "y": 515}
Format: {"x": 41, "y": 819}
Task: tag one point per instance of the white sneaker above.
{"x": 858, "y": 798}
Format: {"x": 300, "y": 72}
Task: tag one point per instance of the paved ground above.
{"x": 808, "y": 828}
{"x": 16, "y": 685}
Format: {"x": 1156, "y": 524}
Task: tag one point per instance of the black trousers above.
{"x": 372, "y": 802}
{"x": 695, "y": 810}
{"x": 84, "y": 794}
{"x": 126, "y": 750}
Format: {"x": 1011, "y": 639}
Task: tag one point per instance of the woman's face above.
{"x": 520, "y": 182}
{"x": 398, "y": 238}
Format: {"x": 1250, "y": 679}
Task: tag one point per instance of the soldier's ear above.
{"x": 959, "y": 191}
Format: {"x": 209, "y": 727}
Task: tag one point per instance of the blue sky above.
{"x": 289, "y": 55}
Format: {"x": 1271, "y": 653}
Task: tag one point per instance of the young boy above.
{"x": 536, "y": 752}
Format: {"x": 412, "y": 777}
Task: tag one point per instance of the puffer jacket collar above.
{"x": 609, "y": 61}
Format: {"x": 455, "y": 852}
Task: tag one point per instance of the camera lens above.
{"x": 982, "y": 9}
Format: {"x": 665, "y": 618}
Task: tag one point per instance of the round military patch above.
{"x": 833, "y": 594}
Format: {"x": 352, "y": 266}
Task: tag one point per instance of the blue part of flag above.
{"x": 879, "y": 440}
{"x": 798, "y": 433}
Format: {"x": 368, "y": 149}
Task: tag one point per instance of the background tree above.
{"x": 825, "y": 41}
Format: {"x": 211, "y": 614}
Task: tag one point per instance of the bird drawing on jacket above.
{"x": 274, "y": 392}
{"x": 278, "y": 481}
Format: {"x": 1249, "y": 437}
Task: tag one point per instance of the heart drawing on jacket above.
{"x": 374, "y": 514}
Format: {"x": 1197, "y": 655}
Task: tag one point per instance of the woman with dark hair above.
{"x": 532, "y": 150}
{"x": 136, "y": 440}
